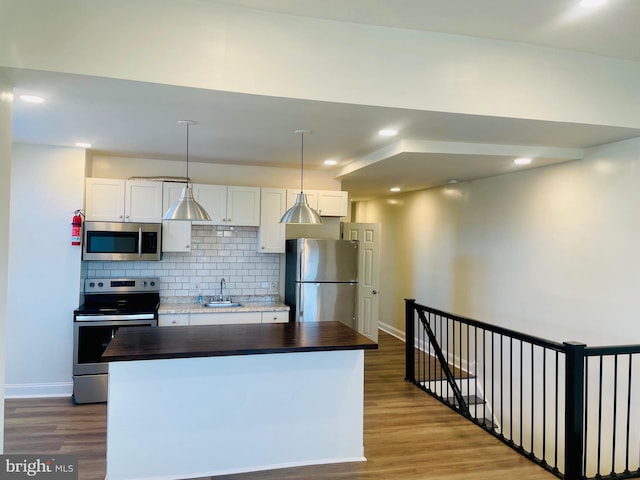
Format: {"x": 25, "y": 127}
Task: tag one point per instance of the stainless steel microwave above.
{"x": 121, "y": 241}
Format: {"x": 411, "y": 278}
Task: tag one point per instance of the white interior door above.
{"x": 368, "y": 274}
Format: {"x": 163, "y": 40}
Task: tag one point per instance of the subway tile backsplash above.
{"x": 216, "y": 252}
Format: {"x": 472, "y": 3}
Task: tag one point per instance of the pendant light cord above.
{"x": 188, "y": 180}
{"x": 302, "y": 163}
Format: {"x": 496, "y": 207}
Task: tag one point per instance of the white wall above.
{"x": 6, "y": 99}
{"x": 47, "y": 185}
{"x": 551, "y": 251}
{"x": 207, "y": 45}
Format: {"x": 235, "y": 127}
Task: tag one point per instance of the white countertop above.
{"x": 169, "y": 308}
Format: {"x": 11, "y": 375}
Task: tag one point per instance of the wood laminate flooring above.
{"x": 407, "y": 434}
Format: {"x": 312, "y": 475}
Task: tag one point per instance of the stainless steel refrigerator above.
{"x": 321, "y": 280}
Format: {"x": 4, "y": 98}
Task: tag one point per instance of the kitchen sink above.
{"x": 226, "y": 303}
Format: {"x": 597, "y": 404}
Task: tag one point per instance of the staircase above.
{"x": 472, "y": 394}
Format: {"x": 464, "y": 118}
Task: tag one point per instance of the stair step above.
{"x": 487, "y": 423}
{"x": 469, "y": 400}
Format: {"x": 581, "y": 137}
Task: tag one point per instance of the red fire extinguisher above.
{"x": 76, "y": 227}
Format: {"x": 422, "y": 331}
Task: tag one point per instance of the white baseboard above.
{"x": 391, "y": 330}
{"x": 33, "y": 390}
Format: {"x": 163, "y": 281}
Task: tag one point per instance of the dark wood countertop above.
{"x": 149, "y": 343}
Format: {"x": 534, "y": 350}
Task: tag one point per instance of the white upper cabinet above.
{"x": 213, "y": 199}
{"x": 333, "y": 203}
{"x": 143, "y": 201}
{"x": 243, "y": 206}
{"x": 328, "y": 203}
{"x": 312, "y": 198}
{"x": 104, "y": 200}
{"x": 117, "y": 200}
{"x": 229, "y": 205}
{"x": 271, "y": 235}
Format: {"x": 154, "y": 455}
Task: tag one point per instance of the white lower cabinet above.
{"x": 173, "y": 319}
{"x": 230, "y": 318}
{"x": 275, "y": 317}
{"x": 222, "y": 318}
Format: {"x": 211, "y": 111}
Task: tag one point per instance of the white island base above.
{"x": 196, "y": 417}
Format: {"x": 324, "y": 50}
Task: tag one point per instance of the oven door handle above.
{"x": 101, "y": 318}
{"x": 139, "y": 241}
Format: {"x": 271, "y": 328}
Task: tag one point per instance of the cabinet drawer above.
{"x": 173, "y": 319}
{"x": 275, "y": 317}
{"x": 231, "y": 318}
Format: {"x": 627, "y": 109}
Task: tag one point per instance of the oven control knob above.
{"x": 92, "y": 284}
{"x": 153, "y": 284}
{"x": 100, "y": 284}
{"x": 144, "y": 284}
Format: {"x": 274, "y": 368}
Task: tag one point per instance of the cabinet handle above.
{"x": 262, "y": 247}
{"x": 187, "y": 246}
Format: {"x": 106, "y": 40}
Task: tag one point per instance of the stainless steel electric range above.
{"x": 109, "y": 304}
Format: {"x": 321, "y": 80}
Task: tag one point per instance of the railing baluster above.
{"x": 532, "y": 397}
{"x": 555, "y": 442}
{"x": 484, "y": 373}
{"x": 586, "y": 416}
{"x": 615, "y": 414}
{"x": 544, "y": 405}
{"x": 511, "y": 387}
{"x": 626, "y": 463}
{"x": 521, "y": 389}
{"x": 599, "y": 416}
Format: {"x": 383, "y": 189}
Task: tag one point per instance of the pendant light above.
{"x": 186, "y": 207}
{"x": 301, "y": 212}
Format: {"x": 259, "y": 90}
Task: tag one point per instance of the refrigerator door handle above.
{"x": 301, "y": 306}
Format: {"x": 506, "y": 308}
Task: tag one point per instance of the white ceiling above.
{"x": 137, "y": 119}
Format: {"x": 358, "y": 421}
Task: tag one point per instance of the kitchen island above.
{"x": 199, "y": 401}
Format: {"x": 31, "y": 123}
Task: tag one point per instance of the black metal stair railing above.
{"x": 567, "y": 407}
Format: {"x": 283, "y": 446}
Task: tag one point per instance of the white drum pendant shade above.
{"x": 186, "y": 207}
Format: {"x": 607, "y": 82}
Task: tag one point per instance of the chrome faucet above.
{"x": 222, "y": 284}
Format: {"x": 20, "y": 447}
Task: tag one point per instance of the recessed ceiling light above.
{"x": 32, "y": 98}
{"x": 388, "y": 132}
{"x": 591, "y": 3}
{"x": 83, "y": 144}
{"x": 330, "y": 162}
{"x": 522, "y": 161}
{"x": 451, "y": 181}
{"x": 395, "y": 189}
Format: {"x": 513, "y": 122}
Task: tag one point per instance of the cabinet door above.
{"x": 214, "y": 200}
{"x": 243, "y": 206}
{"x": 271, "y": 235}
{"x": 312, "y": 198}
{"x": 143, "y": 201}
{"x": 333, "y": 203}
{"x": 231, "y": 318}
{"x": 104, "y": 200}
{"x": 176, "y": 236}
{"x": 170, "y": 193}
{"x": 173, "y": 319}
{"x": 275, "y": 317}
